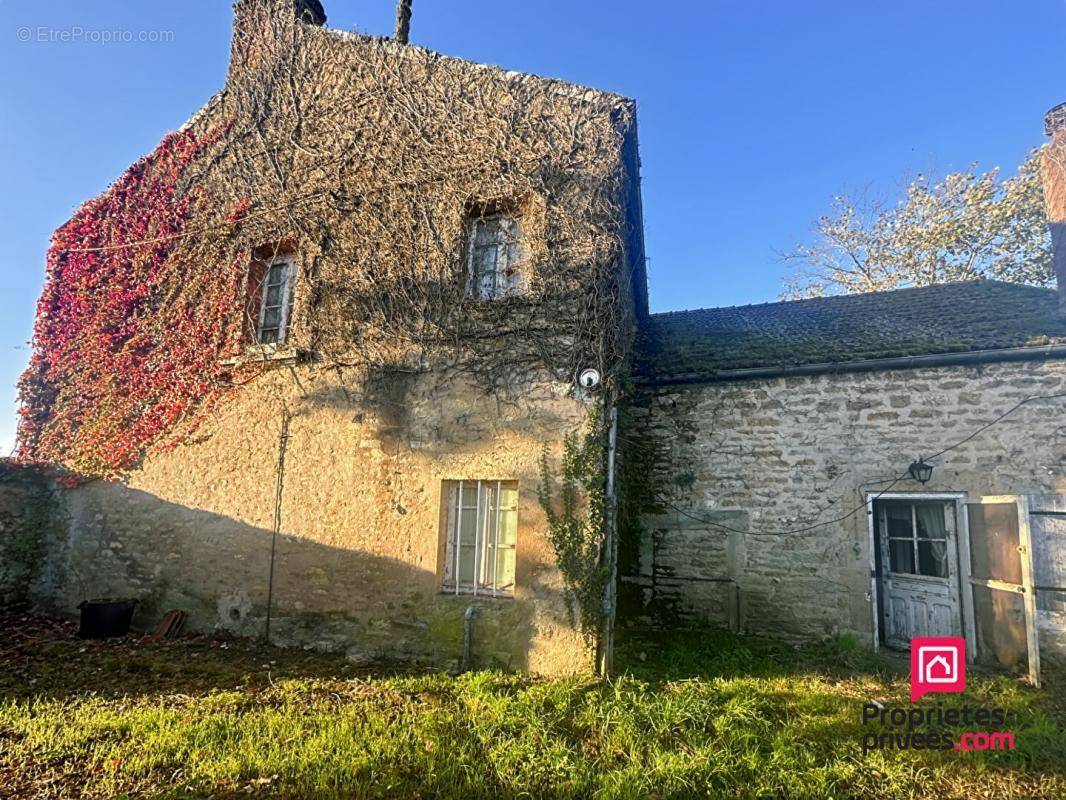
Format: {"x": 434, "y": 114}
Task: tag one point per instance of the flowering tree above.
{"x": 966, "y": 225}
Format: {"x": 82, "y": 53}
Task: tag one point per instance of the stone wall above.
{"x": 357, "y": 566}
{"x": 25, "y": 501}
{"x": 763, "y": 456}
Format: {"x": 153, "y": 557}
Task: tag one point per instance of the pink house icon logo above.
{"x": 938, "y": 664}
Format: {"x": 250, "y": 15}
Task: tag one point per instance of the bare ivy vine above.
{"x": 367, "y": 159}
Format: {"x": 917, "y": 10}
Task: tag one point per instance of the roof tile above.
{"x": 945, "y": 318}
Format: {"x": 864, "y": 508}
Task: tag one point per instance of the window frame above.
{"x": 501, "y": 290}
{"x": 914, "y": 540}
{"x": 451, "y": 546}
{"x": 288, "y": 299}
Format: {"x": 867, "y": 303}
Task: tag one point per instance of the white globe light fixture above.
{"x": 588, "y": 379}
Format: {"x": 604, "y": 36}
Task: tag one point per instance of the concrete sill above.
{"x": 481, "y": 595}
{"x": 272, "y": 353}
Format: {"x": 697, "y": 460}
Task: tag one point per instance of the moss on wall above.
{"x": 24, "y": 520}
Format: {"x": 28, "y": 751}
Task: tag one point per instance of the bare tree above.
{"x": 966, "y": 225}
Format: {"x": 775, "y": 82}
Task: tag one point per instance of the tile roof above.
{"x": 946, "y": 318}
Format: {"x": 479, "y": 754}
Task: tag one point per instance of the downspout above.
{"x": 283, "y": 441}
{"x": 605, "y": 661}
{"x": 468, "y": 637}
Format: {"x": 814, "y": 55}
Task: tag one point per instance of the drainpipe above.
{"x": 468, "y": 638}
{"x": 605, "y": 660}
{"x": 283, "y": 441}
{"x": 403, "y": 21}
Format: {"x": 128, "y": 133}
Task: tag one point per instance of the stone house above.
{"x": 885, "y": 465}
{"x": 387, "y": 268}
{"x": 405, "y": 284}
{"x": 781, "y": 437}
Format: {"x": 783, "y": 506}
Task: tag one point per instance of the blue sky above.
{"x": 752, "y": 114}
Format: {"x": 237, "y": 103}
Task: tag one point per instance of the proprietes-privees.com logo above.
{"x": 938, "y": 665}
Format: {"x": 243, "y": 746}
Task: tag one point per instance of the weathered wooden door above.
{"x": 1001, "y": 590}
{"x": 919, "y": 568}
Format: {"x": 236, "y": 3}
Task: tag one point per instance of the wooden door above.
{"x": 919, "y": 570}
{"x": 1001, "y": 584}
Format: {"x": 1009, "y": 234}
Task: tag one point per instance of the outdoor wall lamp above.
{"x": 920, "y": 470}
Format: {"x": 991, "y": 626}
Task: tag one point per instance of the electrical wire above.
{"x": 1002, "y": 416}
{"x": 894, "y": 481}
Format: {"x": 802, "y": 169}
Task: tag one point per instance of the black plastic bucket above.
{"x": 102, "y": 619}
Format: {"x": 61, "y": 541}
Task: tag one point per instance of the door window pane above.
{"x": 932, "y": 559}
{"x": 898, "y": 517}
{"x": 901, "y": 555}
{"x": 917, "y": 538}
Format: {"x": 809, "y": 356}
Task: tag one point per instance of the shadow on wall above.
{"x": 408, "y": 409}
{"x": 115, "y": 541}
{"x": 25, "y": 498}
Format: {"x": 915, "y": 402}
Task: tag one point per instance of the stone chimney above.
{"x": 1053, "y": 168}
{"x": 311, "y": 12}
{"x": 263, "y": 28}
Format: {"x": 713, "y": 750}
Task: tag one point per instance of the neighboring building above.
{"x": 348, "y": 304}
{"x": 781, "y": 436}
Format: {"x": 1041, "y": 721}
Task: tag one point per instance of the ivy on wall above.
{"x": 129, "y": 338}
{"x": 368, "y": 161}
{"x": 574, "y": 502}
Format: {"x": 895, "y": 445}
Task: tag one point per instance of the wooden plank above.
{"x": 1026, "y": 553}
{"x": 1000, "y": 586}
{"x": 969, "y": 624}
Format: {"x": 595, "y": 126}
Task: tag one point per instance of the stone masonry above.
{"x": 772, "y": 455}
{"x": 358, "y": 565}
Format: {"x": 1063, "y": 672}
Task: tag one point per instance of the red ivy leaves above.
{"x": 238, "y": 212}
{"x": 128, "y": 340}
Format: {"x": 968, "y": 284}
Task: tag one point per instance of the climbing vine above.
{"x": 574, "y": 502}
{"x": 367, "y": 160}
{"x": 128, "y": 339}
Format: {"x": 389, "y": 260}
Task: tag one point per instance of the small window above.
{"x": 276, "y": 300}
{"x": 493, "y": 268}
{"x": 917, "y": 539}
{"x": 481, "y": 527}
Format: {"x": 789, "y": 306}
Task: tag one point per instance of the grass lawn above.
{"x": 704, "y": 714}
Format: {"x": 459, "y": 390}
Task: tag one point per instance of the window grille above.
{"x": 493, "y": 268}
{"x": 481, "y": 528}
{"x": 276, "y": 301}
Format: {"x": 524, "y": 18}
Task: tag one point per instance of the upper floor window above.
{"x": 276, "y": 300}
{"x": 493, "y": 267}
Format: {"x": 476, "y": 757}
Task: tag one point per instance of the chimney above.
{"x": 403, "y": 20}
{"x": 262, "y": 27}
{"x": 1053, "y": 168}
{"x": 311, "y": 12}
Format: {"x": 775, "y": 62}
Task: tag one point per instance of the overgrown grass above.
{"x": 700, "y": 715}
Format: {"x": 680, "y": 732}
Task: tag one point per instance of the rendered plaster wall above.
{"x": 765, "y": 456}
{"x": 357, "y": 566}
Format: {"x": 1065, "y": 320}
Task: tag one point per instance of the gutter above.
{"x": 963, "y": 358}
